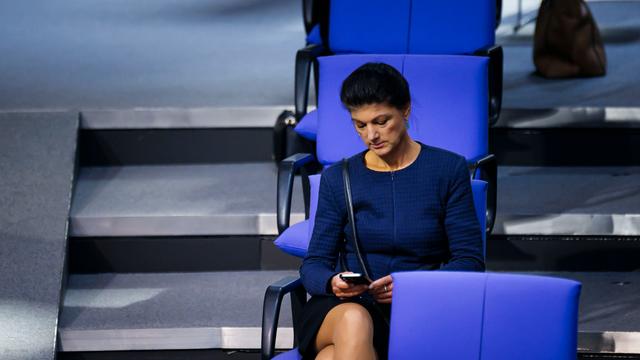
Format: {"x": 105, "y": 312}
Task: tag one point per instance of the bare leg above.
{"x": 348, "y": 328}
{"x": 326, "y": 353}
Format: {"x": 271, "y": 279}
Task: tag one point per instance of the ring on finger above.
{"x": 385, "y": 288}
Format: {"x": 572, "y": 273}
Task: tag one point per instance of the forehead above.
{"x": 369, "y": 112}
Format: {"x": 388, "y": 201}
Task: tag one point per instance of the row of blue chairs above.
{"x": 472, "y": 316}
{"x": 446, "y": 52}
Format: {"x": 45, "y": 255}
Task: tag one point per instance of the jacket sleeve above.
{"x": 461, "y": 224}
{"x": 318, "y": 266}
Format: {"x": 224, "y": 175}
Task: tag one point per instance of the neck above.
{"x": 401, "y": 156}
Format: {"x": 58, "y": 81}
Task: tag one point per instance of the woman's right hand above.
{"x": 343, "y": 289}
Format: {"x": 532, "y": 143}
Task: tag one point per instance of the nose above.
{"x": 372, "y": 132}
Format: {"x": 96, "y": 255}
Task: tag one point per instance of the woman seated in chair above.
{"x": 413, "y": 210}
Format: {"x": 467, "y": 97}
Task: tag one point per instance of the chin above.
{"x": 381, "y": 152}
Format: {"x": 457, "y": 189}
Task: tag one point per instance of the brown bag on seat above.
{"x": 567, "y": 41}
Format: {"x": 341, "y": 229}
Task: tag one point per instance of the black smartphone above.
{"x": 355, "y": 278}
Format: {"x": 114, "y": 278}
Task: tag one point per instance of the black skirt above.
{"x": 318, "y": 307}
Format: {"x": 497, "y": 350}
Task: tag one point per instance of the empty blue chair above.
{"x": 439, "y": 117}
{"x": 397, "y": 27}
{"x": 488, "y": 316}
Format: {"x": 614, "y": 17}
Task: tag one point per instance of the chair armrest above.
{"x": 271, "y": 310}
{"x": 479, "y": 162}
{"x": 496, "y": 57}
{"x": 286, "y": 173}
{"x": 489, "y": 172}
{"x": 305, "y": 58}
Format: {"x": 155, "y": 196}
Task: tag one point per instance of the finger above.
{"x": 382, "y": 289}
{"x": 385, "y": 301}
{"x": 385, "y": 280}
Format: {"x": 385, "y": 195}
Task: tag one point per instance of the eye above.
{"x": 382, "y": 122}
{"x": 360, "y": 125}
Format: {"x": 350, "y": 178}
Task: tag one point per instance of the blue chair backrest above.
{"x": 464, "y": 316}
{"x": 449, "y": 103}
{"x": 411, "y": 26}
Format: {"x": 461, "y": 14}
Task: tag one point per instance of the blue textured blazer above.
{"x": 420, "y": 217}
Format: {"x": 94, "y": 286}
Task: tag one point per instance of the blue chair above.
{"x": 396, "y": 27}
{"x": 465, "y": 316}
{"x": 316, "y": 19}
{"x": 439, "y": 117}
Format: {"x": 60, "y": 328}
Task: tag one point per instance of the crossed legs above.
{"x": 346, "y": 333}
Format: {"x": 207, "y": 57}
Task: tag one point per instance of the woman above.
{"x": 413, "y": 210}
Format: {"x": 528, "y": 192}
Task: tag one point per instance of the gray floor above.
{"x": 197, "y": 310}
{"x": 619, "y": 23}
{"x": 120, "y": 54}
{"x": 37, "y": 158}
{"x": 231, "y": 199}
{"x": 150, "y": 53}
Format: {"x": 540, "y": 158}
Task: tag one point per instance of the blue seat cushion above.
{"x": 308, "y": 126}
{"x": 289, "y": 355}
{"x": 295, "y": 239}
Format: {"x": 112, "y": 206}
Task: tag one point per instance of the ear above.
{"x": 407, "y": 111}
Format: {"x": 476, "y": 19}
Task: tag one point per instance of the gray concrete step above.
{"x": 178, "y": 200}
{"x": 164, "y": 311}
{"x": 240, "y": 199}
{"x": 222, "y": 310}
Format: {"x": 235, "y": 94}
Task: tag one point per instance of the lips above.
{"x": 378, "y": 145}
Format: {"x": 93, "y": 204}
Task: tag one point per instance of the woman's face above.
{"x": 380, "y": 126}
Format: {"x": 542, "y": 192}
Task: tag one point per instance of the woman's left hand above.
{"x": 381, "y": 289}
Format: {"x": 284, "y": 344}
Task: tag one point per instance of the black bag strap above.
{"x": 352, "y": 220}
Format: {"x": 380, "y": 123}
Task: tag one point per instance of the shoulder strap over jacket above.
{"x": 351, "y": 216}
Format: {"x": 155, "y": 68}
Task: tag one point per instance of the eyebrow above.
{"x": 375, "y": 118}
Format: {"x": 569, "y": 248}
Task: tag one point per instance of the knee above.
{"x": 356, "y": 321}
